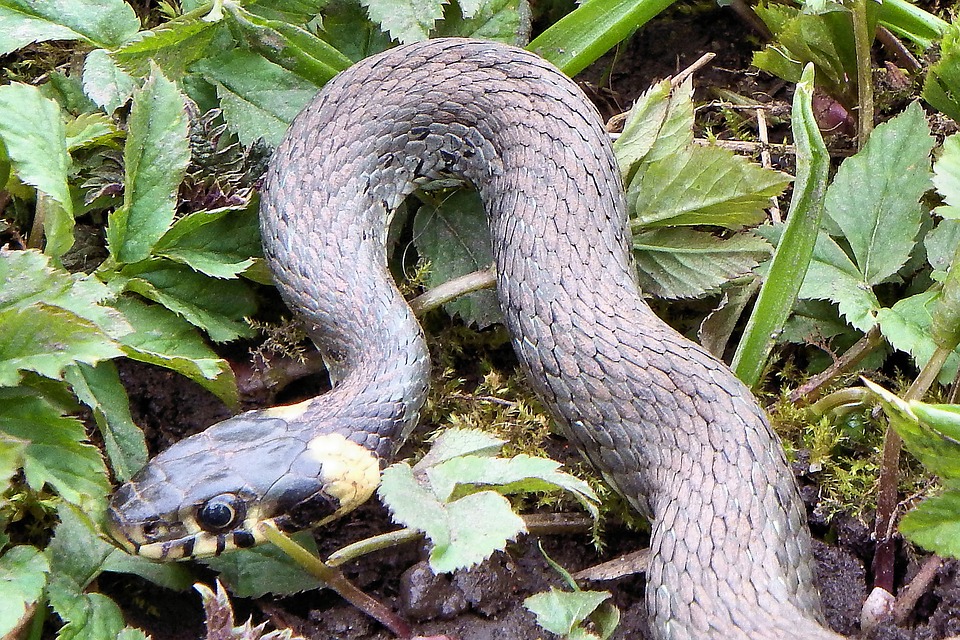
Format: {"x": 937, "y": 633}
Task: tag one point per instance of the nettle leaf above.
{"x": 216, "y": 306}
{"x": 659, "y": 125}
{"x": 347, "y": 27}
{"x": 455, "y": 238}
{"x": 173, "y": 46}
{"x": 935, "y": 524}
{"x": 156, "y": 156}
{"x": 492, "y": 20}
{"x": 941, "y": 88}
{"x": 50, "y": 319}
{"x": 946, "y": 177}
{"x": 58, "y": 453}
{"x": 23, "y": 576}
{"x": 432, "y": 496}
{"x": 833, "y": 276}
{"x": 253, "y": 573}
{"x": 562, "y": 612}
{"x": 259, "y": 98}
{"x": 289, "y": 46}
{"x": 405, "y": 20}
{"x": 102, "y": 23}
{"x": 908, "y": 327}
{"x": 702, "y": 186}
{"x": 683, "y": 263}
{"x": 104, "y": 82}
{"x": 875, "y": 196}
{"x": 162, "y": 338}
{"x": 457, "y": 541}
{"x": 32, "y": 129}
{"x": 100, "y": 389}
{"x": 221, "y": 243}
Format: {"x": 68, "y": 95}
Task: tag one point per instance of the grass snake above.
{"x": 666, "y": 423}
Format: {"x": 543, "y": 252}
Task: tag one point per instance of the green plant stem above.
{"x": 451, "y": 289}
{"x": 849, "y": 397}
{"x": 862, "y": 41}
{"x": 792, "y": 257}
{"x": 850, "y": 358}
{"x": 887, "y": 493}
{"x": 337, "y": 581}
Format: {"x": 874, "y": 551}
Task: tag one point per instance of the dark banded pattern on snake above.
{"x": 667, "y": 424}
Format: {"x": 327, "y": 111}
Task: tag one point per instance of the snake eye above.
{"x": 220, "y": 513}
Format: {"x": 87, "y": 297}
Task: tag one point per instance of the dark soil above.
{"x": 487, "y": 603}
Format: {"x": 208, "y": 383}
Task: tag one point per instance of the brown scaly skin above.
{"x": 666, "y": 423}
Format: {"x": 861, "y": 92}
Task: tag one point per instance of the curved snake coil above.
{"x": 666, "y": 423}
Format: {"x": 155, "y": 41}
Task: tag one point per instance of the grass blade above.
{"x": 790, "y": 261}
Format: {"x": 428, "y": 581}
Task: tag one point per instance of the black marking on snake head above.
{"x": 188, "y": 547}
{"x": 221, "y": 544}
{"x": 243, "y": 539}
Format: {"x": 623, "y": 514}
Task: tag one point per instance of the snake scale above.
{"x": 666, "y": 423}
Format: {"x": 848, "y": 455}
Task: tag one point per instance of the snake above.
{"x": 666, "y": 423}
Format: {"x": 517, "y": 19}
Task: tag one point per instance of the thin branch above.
{"x": 441, "y": 294}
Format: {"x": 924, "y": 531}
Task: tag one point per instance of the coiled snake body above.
{"x": 666, "y": 423}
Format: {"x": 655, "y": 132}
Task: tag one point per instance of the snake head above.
{"x": 211, "y": 492}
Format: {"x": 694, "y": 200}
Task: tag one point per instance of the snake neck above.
{"x": 666, "y": 423}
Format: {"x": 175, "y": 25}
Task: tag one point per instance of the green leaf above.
{"x": 833, "y": 276}
{"x": 104, "y": 82}
{"x": 910, "y": 21}
{"x": 162, "y": 338}
{"x": 405, "y": 20}
{"x": 908, "y": 327}
{"x": 348, "y": 29}
{"x": 683, "y": 263}
{"x": 102, "y": 23}
{"x": 426, "y": 498}
{"x": 253, "y": 573}
{"x": 792, "y": 257}
{"x": 289, "y": 46}
{"x": 90, "y": 129}
{"x": 77, "y": 555}
{"x": 592, "y": 29}
{"x": 29, "y": 278}
{"x": 57, "y": 452}
{"x": 455, "y": 238}
{"x": 498, "y": 20}
{"x": 702, "y": 186}
{"x": 50, "y": 319}
{"x": 259, "y": 98}
{"x": 875, "y": 196}
{"x": 156, "y": 156}
{"x": 220, "y": 243}
{"x": 659, "y": 124}
{"x": 46, "y": 339}
{"x": 941, "y": 244}
{"x": 935, "y": 524}
{"x": 946, "y": 177}
{"x": 173, "y": 47}
{"x": 32, "y": 129}
{"x": 561, "y": 612}
{"x": 941, "y": 88}
{"x": 930, "y": 432}
{"x": 456, "y": 539}
{"x": 216, "y": 306}
{"x": 100, "y": 389}
{"x": 23, "y": 575}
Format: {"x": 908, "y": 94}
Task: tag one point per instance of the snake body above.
{"x": 666, "y": 423}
